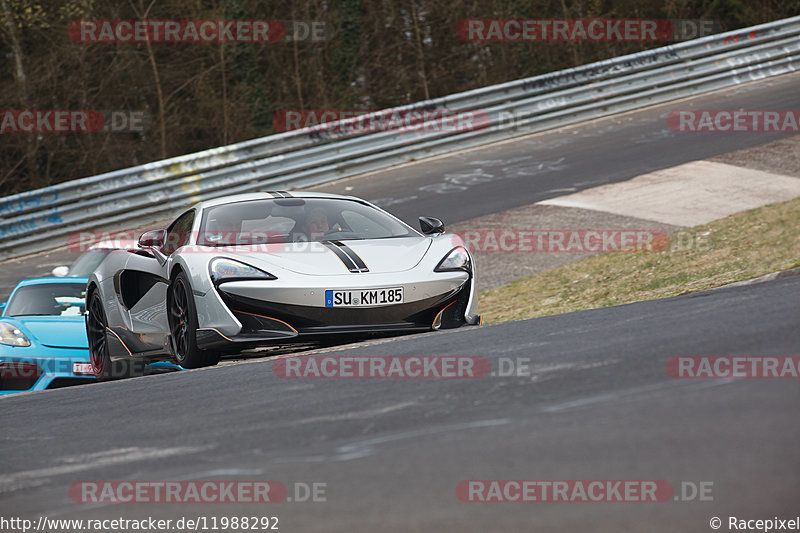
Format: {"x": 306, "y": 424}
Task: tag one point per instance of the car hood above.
{"x": 55, "y": 331}
{"x": 315, "y": 259}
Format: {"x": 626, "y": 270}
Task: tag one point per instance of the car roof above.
{"x": 266, "y": 196}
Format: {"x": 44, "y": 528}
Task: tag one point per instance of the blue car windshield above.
{"x": 296, "y": 220}
{"x": 51, "y": 299}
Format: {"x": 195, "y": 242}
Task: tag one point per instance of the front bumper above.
{"x": 263, "y": 311}
{"x": 20, "y": 373}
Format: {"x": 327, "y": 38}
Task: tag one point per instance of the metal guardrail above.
{"x": 42, "y": 219}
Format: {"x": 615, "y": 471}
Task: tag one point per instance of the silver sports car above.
{"x": 254, "y": 269}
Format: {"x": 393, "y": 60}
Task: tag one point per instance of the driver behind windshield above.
{"x": 225, "y": 227}
{"x": 229, "y": 222}
{"x": 316, "y": 224}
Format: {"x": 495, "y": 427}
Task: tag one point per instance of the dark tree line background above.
{"x": 197, "y": 96}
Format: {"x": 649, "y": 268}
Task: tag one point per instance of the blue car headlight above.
{"x": 222, "y": 269}
{"x": 12, "y": 336}
{"x": 456, "y": 259}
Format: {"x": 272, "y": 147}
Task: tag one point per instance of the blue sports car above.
{"x": 43, "y": 336}
{"x": 43, "y": 341}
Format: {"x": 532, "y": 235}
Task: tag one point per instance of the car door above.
{"x": 144, "y": 284}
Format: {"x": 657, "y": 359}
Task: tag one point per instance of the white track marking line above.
{"x": 80, "y": 463}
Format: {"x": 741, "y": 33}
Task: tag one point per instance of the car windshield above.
{"x": 86, "y": 263}
{"x": 296, "y": 220}
{"x": 52, "y": 299}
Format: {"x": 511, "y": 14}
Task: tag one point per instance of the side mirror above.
{"x": 153, "y": 239}
{"x": 430, "y": 225}
{"x": 3, "y": 305}
{"x": 60, "y": 271}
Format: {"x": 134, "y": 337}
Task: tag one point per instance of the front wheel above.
{"x": 183, "y": 326}
{"x": 96, "y": 331}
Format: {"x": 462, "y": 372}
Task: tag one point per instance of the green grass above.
{"x": 735, "y": 248}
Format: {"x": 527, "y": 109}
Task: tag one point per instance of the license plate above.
{"x": 364, "y": 297}
{"x": 82, "y": 369}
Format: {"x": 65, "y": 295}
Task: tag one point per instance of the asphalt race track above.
{"x": 466, "y": 185}
{"x": 598, "y": 404}
{"x": 595, "y": 401}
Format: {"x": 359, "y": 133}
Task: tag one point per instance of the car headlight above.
{"x": 228, "y": 270}
{"x": 11, "y": 335}
{"x": 456, "y": 259}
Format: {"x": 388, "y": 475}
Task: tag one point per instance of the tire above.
{"x": 182, "y": 315}
{"x": 96, "y": 332}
